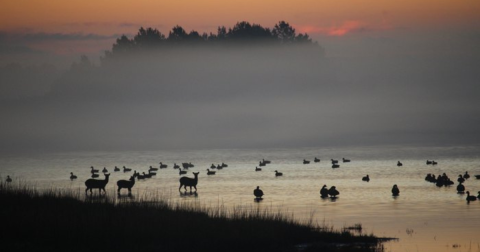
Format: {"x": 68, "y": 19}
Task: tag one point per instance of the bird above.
{"x": 366, "y": 178}
{"x": 399, "y": 163}
{"x": 105, "y": 170}
{"x": 345, "y": 160}
{"x": 72, "y": 177}
{"x": 470, "y": 197}
{"x": 8, "y": 179}
{"x": 116, "y": 169}
{"x": 306, "y": 162}
{"x": 466, "y": 175}
{"x": 395, "y": 190}
{"x": 95, "y": 175}
{"x": 324, "y": 191}
{"x": 316, "y": 160}
{"x": 278, "y": 173}
{"x": 258, "y": 193}
{"x": 460, "y": 188}
{"x": 333, "y": 192}
{"x": 257, "y": 169}
{"x": 210, "y": 172}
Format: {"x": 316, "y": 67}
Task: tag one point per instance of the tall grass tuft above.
{"x": 67, "y": 220}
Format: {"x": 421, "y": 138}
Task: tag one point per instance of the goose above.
{"x": 334, "y": 161}
{"x": 278, "y": 173}
{"x": 324, "y": 191}
{"x": 257, "y": 192}
{"x": 395, "y": 190}
{"x": 266, "y": 161}
{"x": 210, "y": 172}
{"x": 72, "y": 177}
{"x": 176, "y": 166}
{"x": 257, "y": 169}
{"x": 460, "y": 188}
{"x": 190, "y": 165}
{"x": 335, "y": 165}
{"x": 470, "y": 197}
{"x": 366, "y": 178}
{"x": 125, "y": 169}
{"x": 434, "y": 162}
{"x": 180, "y": 172}
{"x": 116, "y": 169}
{"x": 95, "y": 175}
{"x": 345, "y": 160}
{"x": 466, "y": 175}
{"x": 8, "y": 179}
{"x": 399, "y": 163}
{"x": 219, "y": 167}
{"x": 429, "y": 162}
{"x": 261, "y": 163}
{"x": 139, "y": 176}
{"x": 105, "y": 170}
{"x": 460, "y": 179}
{"x": 163, "y": 165}
{"x": 212, "y": 166}
{"x": 153, "y": 168}
{"x": 306, "y": 162}
{"x": 224, "y": 165}
{"x": 146, "y": 175}
{"x": 316, "y": 160}
{"x": 93, "y": 170}
{"x": 333, "y": 192}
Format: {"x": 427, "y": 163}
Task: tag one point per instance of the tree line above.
{"x": 242, "y": 33}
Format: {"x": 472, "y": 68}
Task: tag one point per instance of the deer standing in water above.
{"x": 97, "y": 183}
{"x": 184, "y": 181}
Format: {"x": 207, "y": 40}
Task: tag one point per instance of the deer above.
{"x": 97, "y": 183}
{"x": 184, "y": 181}
{"x": 126, "y": 184}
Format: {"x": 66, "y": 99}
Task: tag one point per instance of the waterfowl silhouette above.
{"x": 116, "y": 169}
{"x": 212, "y": 166}
{"x": 210, "y": 172}
{"x": 224, "y": 165}
{"x": 105, "y": 170}
{"x": 306, "y": 162}
{"x": 345, "y": 160}
{"x": 125, "y": 169}
{"x": 261, "y": 163}
{"x": 429, "y": 162}
{"x": 162, "y": 166}
{"x": 335, "y": 165}
{"x": 477, "y": 176}
{"x": 470, "y": 197}
{"x": 219, "y": 167}
{"x": 460, "y": 188}
{"x": 278, "y": 173}
{"x": 466, "y": 175}
{"x": 257, "y": 169}
{"x": 93, "y": 170}
{"x": 151, "y": 168}
{"x": 180, "y": 172}
{"x": 333, "y": 192}
{"x": 146, "y": 175}
{"x": 324, "y": 191}
{"x": 176, "y": 166}
{"x": 95, "y": 175}
{"x": 334, "y": 161}
{"x": 258, "y": 193}
{"x": 434, "y": 162}
{"x": 72, "y": 177}
{"x": 395, "y": 190}
{"x": 366, "y": 178}
{"x": 151, "y": 173}
{"x": 316, "y": 160}
{"x": 266, "y": 161}
{"x": 460, "y": 179}
{"x": 399, "y": 163}
{"x": 8, "y": 179}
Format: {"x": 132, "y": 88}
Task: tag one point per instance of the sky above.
{"x": 395, "y": 72}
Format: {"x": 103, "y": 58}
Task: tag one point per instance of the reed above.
{"x": 65, "y": 219}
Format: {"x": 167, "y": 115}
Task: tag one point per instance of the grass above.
{"x": 66, "y": 220}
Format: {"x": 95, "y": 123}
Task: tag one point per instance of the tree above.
{"x": 122, "y": 45}
{"x": 148, "y": 38}
{"x": 177, "y": 34}
{"x": 284, "y": 32}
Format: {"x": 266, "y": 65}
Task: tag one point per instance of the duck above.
{"x": 212, "y": 166}
{"x": 333, "y": 192}
{"x": 8, "y": 179}
{"x": 258, "y": 193}
{"x": 366, "y": 178}
{"x": 278, "y": 173}
{"x": 105, "y": 170}
{"x": 316, "y": 160}
{"x": 72, "y": 177}
{"x": 470, "y": 197}
{"x": 125, "y": 169}
{"x": 257, "y": 169}
{"x": 334, "y": 161}
{"x": 324, "y": 191}
{"x": 176, "y": 166}
{"x": 261, "y": 163}
{"x": 180, "y": 172}
{"x": 116, "y": 169}
{"x": 224, "y": 165}
{"x": 151, "y": 168}
{"x": 395, "y": 190}
{"x": 460, "y": 179}
{"x": 399, "y": 163}
{"x": 266, "y": 161}
{"x": 429, "y": 162}
{"x": 163, "y": 165}
{"x": 146, "y": 175}
{"x": 306, "y": 162}
{"x": 210, "y": 172}
{"x": 460, "y": 188}
{"x": 466, "y": 175}
{"x": 95, "y": 175}
{"x": 434, "y": 162}
{"x": 345, "y": 160}
{"x": 93, "y": 170}
{"x": 335, "y": 165}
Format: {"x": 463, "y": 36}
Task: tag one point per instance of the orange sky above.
{"x": 319, "y": 18}
{"x": 114, "y": 16}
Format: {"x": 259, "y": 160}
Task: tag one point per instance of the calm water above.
{"x": 424, "y": 217}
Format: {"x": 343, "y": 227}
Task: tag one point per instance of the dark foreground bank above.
{"x": 61, "y": 220}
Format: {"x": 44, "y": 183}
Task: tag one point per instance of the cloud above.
{"x": 347, "y": 27}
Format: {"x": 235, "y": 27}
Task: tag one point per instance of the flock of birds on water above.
{"x": 332, "y": 192}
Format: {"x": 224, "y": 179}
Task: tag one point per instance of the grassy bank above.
{"x": 63, "y": 220}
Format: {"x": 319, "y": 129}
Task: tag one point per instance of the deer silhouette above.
{"x": 126, "y": 184}
{"x": 97, "y": 183}
{"x": 184, "y": 181}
